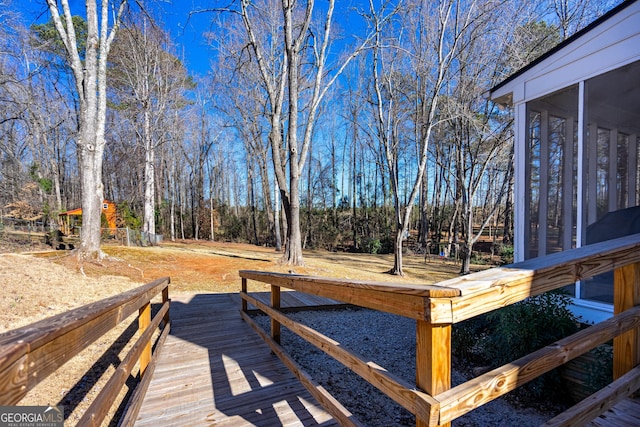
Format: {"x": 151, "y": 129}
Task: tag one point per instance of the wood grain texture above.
{"x": 99, "y": 408}
{"x": 283, "y": 279}
{"x": 626, "y": 294}
{"x": 133, "y": 405}
{"x": 144, "y": 322}
{"x": 375, "y": 296}
{"x": 243, "y": 288}
{"x": 215, "y": 370}
{"x": 624, "y": 414}
{"x": 599, "y": 402}
{"x": 13, "y": 380}
{"x": 461, "y": 298}
{"x": 275, "y": 303}
{"x": 433, "y": 363}
{"x": 485, "y": 388}
{"x": 397, "y": 389}
{"x": 31, "y": 353}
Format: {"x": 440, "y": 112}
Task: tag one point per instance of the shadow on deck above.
{"x": 214, "y": 369}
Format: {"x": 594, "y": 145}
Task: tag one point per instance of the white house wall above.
{"x": 611, "y": 44}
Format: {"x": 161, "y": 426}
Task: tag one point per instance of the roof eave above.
{"x": 504, "y": 99}
{"x": 502, "y": 96}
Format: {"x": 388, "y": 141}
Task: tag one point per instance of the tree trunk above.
{"x": 90, "y": 77}
{"x": 266, "y": 195}
{"x": 507, "y": 236}
{"x": 56, "y": 185}
{"x": 397, "y": 253}
{"x": 181, "y": 203}
{"x": 297, "y": 43}
{"x": 149, "y": 224}
{"x": 309, "y": 231}
{"x": 92, "y": 198}
{"x": 252, "y": 204}
{"x": 277, "y": 219}
{"x": 353, "y": 197}
{"x": 293, "y": 246}
{"x": 212, "y": 218}
{"x": 465, "y": 259}
{"x": 173, "y": 205}
{"x": 334, "y": 186}
{"x": 424, "y": 211}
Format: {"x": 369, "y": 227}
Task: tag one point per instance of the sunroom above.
{"x": 577, "y": 160}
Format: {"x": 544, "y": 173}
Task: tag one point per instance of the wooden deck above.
{"x": 215, "y": 370}
{"x": 624, "y": 414}
{"x": 294, "y": 301}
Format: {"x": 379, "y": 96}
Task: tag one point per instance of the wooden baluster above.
{"x": 165, "y": 300}
{"x": 275, "y": 304}
{"x": 244, "y": 289}
{"x": 433, "y": 360}
{"x": 626, "y": 294}
{"x": 144, "y": 320}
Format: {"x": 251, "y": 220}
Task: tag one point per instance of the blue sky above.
{"x": 185, "y": 31}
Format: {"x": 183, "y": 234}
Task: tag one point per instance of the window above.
{"x": 551, "y": 186}
{"x": 613, "y": 125}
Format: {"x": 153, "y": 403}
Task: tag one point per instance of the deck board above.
{"x": 624, "y": 414}
{"x": 215, "y": 370}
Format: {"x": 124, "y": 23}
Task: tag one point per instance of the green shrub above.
{"x": 526, "y": 326}
{"x": 129, "y": 217}
{"x": 386, "y": 245}
{"x": 477, "y": 258}
{"x": 600, "y": 374}
{"x": 372, "y": 246}
{"x": 506, "y": 254}
{"x": 502, "y": 336}
{"x": 468, "y": 338}
{"x": 233, "y": 228}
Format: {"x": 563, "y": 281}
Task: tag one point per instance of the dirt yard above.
{"x": 40, "y": 284}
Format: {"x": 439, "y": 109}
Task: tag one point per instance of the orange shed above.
{"x": 70, "y": 221}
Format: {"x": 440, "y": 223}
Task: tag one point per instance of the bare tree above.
{"x": 571, "y": 15}
{"x": 36, "y": 100}
{"x": 433, "y": 42}
{"x": 240, "y": 100}
{"x": 90, "y": 75}
{"x": 300, "y": 74}
{"x": 150, "y": 79}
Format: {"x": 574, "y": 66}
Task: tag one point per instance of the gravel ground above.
{"x": 389, "y": 341}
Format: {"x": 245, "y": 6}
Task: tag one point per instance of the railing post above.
{"x": 144, "y": 320}
{"x": 165, "y": 299}
{"x": 626, "y": 294}
{"x": 433, "y": 360}
{"x": 244, "y": 289}
{"x": 275, "y": 304}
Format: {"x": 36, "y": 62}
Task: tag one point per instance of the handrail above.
{"x": 437, "y": 307}
{"x": 485, "y": 388}
{"x": 395, "y": 387}
{"x": 31, "y": 353}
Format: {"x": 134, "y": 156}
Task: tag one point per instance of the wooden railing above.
{"x": 437, "y": 307}
{"x": 31, "y": 353}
